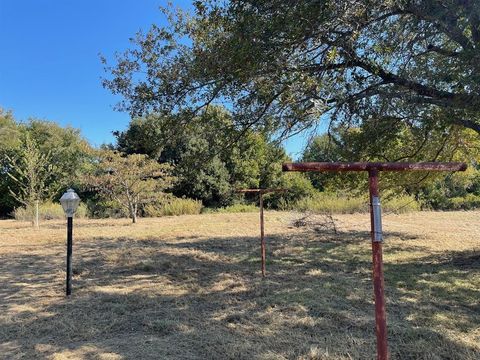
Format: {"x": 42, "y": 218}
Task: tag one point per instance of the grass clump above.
{"x": 325, "y": 203}
{"x": 174, "y": 206}
{"x": 47, "y": 211}
{"x": 236, "y": 208}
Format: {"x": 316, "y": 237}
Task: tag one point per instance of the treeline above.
{"x": 156, "y": 169}
{"x": 38, "y": 160}
{"x": 147, "y": 172}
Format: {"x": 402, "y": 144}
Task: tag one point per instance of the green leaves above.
{"x": 211, "y": 156}
{"x": 31, "y": 172}
{"x": 38, "y": 159}
{"x": 129, "y": 180}
{"x": 286, "y": 66}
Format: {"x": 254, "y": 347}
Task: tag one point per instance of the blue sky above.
{"x": 50, "y": 66}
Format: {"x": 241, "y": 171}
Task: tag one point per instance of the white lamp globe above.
{"x": 70, "y": 201}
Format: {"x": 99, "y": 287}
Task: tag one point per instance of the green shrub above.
{"x": 173, "y": 206}
{"x": 401, "y": 204}
{"x": 283, "y": 204}
{"x": 468, "y": 202}
{"x": 102, "y": 208}
{"x": 298, "y": 186}
{"x": 48, "y": 211}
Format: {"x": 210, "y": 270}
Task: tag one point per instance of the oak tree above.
{"x": 290, "y": 65}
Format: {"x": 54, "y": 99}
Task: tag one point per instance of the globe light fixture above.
{"x": 70, "y": 201}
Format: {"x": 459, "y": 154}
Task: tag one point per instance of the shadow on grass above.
{"x": 201, "y": 299}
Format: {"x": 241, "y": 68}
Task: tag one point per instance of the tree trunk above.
{"x": 133, "y": 213}
{"x": 32, "y": 212}
{"x": 35, "y": 217}
{"x": 132, "y": 208}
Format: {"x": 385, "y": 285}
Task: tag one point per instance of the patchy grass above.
{"x": 189, "y": 287}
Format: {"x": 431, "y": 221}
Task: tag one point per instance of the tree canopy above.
{"x": 289, "y": 65}
{"x": 130, "y": 181}
{"x": 39, "y": 152}
{"x": 207, "y": 164}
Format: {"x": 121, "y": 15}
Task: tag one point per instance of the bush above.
{"x": 468, "y": 202}
{"x": 173, "y": 206}
{"x": 102, "y": 208}
{"x": 401, "y": 204}
{"x": 48, "y": 211}
{"x": 298, "y": 186}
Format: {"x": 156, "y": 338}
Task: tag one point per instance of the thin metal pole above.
{"x": 69, "y": 254}
{"x": 378, "y": 281}
{"x": 262, "y": 236}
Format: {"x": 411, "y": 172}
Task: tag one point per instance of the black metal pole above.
{"x": 69, "y": 254}
{"x": 262, "y": 237}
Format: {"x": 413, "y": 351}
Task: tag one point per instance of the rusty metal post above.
{"x": 262, "y": 236}
{"x": 378, "y": 281}
{"x": 376, "y": 222}
{"x": 260, "y": 192}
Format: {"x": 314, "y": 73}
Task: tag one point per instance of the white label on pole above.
{"x": 377, "y": 219}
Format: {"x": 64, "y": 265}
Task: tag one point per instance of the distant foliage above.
{"x": 31, "y": 172}
{"x": 437, "y": 191}
{"x": 38, "y": 160}
{"x": 297, "y": 186}
{"x": 401, "y": 204}
{"x": 211, "y": 156}
{"x": 458, "y": 191}
{"x": 101, "y": 207}
{"x": 468, "y": 202}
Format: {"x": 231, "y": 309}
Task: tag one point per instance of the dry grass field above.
{"x": 189, "y": 287}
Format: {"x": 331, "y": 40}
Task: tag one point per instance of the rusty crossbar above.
{"x": 376, "y": 222}
{"x": 366, "y": 166}
{"x": 263, "y": 191}
{"x": 262, "y": 231}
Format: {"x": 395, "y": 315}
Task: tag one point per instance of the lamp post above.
{"x": 70, "y": 201}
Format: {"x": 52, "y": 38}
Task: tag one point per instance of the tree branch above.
{"x": 469, "y": 124}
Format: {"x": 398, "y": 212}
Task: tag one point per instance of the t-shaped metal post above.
{"x": 376, "y": 222}
{"x": 262, "y": 231}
